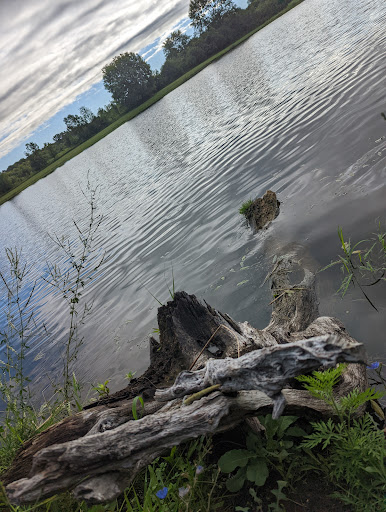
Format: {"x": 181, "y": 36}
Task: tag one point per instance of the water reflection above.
{"x": 296, "y": 109}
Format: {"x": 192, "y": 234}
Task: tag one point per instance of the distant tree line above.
{"x": 79, "y": 128}
{"x": 130, "y": 80}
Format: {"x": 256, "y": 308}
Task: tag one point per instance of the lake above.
{"x": 296, "y": 109}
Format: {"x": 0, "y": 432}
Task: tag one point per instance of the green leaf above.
{"x": 233, "y": 459}
{"x": 271, "y": 426}
{"x": 296, "y": 432}
{"x": 284, "y": 423}
{"x": 134, "y": 406}
{"x": 258, "y": 472}
{"x": 253, "y": 442}
{"x": 370, "y": 469}
{"x": 235, "y": 483}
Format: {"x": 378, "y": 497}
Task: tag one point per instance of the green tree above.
{"x": 31, "y": 148}
{"x": 209, "y": 13}
{"x": 5, "y": 184}
{"x": 73, "y": 121}
{"x": 175, "y": 44}
{"x": 35, "y": 156}
{"x": 129, "y": 79}
{"x": 86, "y": 114}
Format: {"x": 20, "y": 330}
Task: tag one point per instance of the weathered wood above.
{"x": 87, "y": 422}
{"x": 109, "y": 448}
{"x": 121, "y": 452}
{"x": 267, "y": 370}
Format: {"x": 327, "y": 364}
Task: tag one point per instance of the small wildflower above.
{"x": 199, "y": 470}
{"x": 183, "y": 491}
{"x": 373, "y": 366}
{"x": 162, "y": 493}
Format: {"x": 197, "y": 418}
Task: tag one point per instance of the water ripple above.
{"x": 295, "y": 108}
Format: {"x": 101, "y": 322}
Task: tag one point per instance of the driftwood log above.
{"x": 97, "y": 452}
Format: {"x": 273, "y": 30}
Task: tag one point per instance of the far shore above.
{"x": 133, "y": 113}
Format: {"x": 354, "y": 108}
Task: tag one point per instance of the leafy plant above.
{"x": 130, "y": 376}
{"x": 280, "y": 496}
{"x": 84, "y": 261}
{"x": 134, "y": 406}
{"x": 272, "y": 451}
{"x": 351, "y": 452}
{"x": 102, "y": 389}
{"x": 363, "y": 264}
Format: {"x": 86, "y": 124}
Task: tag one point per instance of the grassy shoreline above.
{"x": 133, "y": 113}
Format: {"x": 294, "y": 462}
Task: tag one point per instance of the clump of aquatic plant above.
{"x": 246, "y": 207}
{"x": 362, "y": 264}
{"x": 171, "y": 290}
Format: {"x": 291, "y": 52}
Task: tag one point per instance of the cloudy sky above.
{"x": 52, "y": 53}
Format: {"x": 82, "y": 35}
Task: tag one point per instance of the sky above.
{"x": 52, "y": 53}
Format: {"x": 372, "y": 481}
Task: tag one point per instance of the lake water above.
{"x": 296, "y": 109}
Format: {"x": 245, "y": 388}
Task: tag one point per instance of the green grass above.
{"x": 362, "y": 264}
{"x": 244, "y": 209}
{"x": 133, "y": 113}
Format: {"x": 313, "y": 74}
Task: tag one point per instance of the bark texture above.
{"x": 231, "y": 372}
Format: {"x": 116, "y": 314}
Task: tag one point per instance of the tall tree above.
{"x": 86, "y": 114}
{"x": 129, "y": 79}
{"x": 73, "y": 121}
{"x": 5, "y": 184}
{"x": 175, "y": 44}
{"x": 209, "y": 13}
{"x": 31, "y": 148}
{"x": 35, "y": 156}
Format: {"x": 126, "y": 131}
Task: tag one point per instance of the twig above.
{"x": 213, "y": 486}
{"x": 286, "y": 290}
{"x": 210, "y": 339}
{"x": 204, "y": 347}
{"x": 278, "y": 297}
{"x": 200, "y": 394}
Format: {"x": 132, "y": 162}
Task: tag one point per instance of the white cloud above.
{"x": 50, "y": 52}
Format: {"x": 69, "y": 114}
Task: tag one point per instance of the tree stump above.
{"x": 247, "y": 371}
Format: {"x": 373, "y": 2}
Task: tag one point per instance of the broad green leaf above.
{"x": 258, "y": 472}
{"x": 284, "y": 423}
{"x": 235, "y": 483}
{"x": 253, "y": 442}
{"x": 233, "y": 459}
{"x": 296, "y": 432}
{"x": 270, "y": 425}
